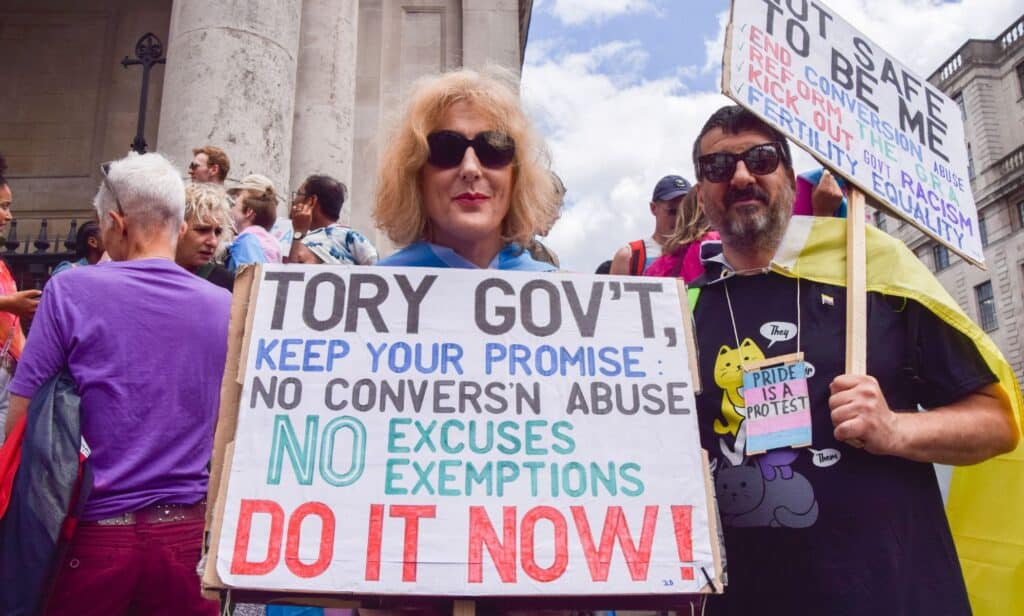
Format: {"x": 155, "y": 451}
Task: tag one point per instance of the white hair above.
{"x": 149, "y": 190}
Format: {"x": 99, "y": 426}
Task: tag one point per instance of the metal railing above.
{"x": 32, "y": 260}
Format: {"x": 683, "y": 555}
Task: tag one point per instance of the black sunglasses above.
{"x": 493, "y": 149}
{"x": 760, "y": 160}
{"x": 105, "y": 170}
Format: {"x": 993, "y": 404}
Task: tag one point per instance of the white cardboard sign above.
{"x": 472, "y": 433}
{"x": 806, "y": 71}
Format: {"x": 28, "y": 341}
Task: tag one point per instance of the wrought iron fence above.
{"x": 32, "y": 260}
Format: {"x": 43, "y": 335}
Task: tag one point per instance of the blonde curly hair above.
{"x": 208, "y": 202}
{"x": 399, "y": 210}
{"x": 691, "y": 224}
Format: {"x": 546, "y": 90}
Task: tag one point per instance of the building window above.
{"x": 983, "y": 230}
{"x": 986, "y": 306}
{"x": 970, "y": 162}
{"x": 880, "y": 220}
{"x": 941, "y": 255}
{"x": 1020, "y": 77}
{"x": 959, "y": 98}
{"x": 1020, "y": 215}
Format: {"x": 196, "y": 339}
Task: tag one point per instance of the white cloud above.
{"x": 577, "y": 12}
{"x": 613, "y": 134}
{"x": 923, "y": 33}
{"x": 714, "y": 46}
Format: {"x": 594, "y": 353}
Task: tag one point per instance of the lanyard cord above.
{"x": 732, "y": 317}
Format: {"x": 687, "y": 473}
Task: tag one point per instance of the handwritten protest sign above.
{"x": 448, "y": 432}
{"x": 777, "y": 406}
{"x": 809, "y": 73}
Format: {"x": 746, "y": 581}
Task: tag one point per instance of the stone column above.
{"x": 325, "y": 93}
{"x": 490, "y": 33}
{"x": 230, "y": 82}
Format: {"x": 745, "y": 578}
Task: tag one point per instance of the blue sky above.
{"x": 620, "y": 88}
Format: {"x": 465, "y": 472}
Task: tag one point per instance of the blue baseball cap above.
{"x": 670, "y": 187}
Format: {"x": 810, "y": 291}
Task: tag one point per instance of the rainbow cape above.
{"x": 986, "y": 501}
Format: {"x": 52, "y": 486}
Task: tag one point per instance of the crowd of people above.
{"x": 464, "y": 182}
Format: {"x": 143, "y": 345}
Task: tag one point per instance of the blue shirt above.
{"x": 245, "y": 249}
{"x": 425, "y": 254}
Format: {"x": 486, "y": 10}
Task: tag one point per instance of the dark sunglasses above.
{"x": 105, "y": 170}
{"x": 494, "y": 150}
{"x": 760, "y": 160}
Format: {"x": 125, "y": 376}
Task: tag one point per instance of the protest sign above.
{"x": 412, "y": 431}
{"x": 777, "y": 405}
{"x": 851, "y": 105}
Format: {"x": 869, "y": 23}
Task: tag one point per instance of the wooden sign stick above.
{"x": 856, "y": 286}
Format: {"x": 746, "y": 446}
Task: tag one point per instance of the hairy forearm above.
{"x": 971, "y": 430}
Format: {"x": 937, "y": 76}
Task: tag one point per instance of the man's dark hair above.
{"x": 3, "y": 169}
{"x": 733, "y": 120}
{"x": 330, "y": 193}
{"x": 88, "y": 230}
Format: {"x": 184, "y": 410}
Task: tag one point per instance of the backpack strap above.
{"x": 638, "y": 258}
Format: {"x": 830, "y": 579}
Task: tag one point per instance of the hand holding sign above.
{"x": 861, "y": 415}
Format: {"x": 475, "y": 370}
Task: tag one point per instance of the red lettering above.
{"x": 682, "y": 521}
{"x": 240, "y": 565}
{"x": 482, "y": 534}
{"x": 615, "y": 527}
{"x": 326, "y": 552}
{"x": 756, "y": 36}
{"x": 412, "y": 515}
{"x": 561, "y": 546}
{"x": 373, "y": 540}
{"x": 756, "y": 57}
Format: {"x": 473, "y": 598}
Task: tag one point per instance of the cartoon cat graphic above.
{"x": 746, "y": 498}
{"x": 729, "y": 378}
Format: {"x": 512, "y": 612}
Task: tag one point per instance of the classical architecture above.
{"x": 986, "y": 78}
{"x": 287, "y": 87}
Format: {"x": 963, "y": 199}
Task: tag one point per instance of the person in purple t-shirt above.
{"x": 145, "y": 341}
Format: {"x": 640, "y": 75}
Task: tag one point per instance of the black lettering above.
{"x": 773, "y": 9}
{"x": 801, "y": 44}
{"x": 283, "y": 279}
{"x": 643, "y": 291}
{"x": 413, "y": 298}
{"x": 505, "y": 313}
{"x": 911, "y": 123}
{"x": 586, "y": 322}
{"x": 841, "y": 70}
{"x": 370, "y": 305}
{"x": 823, "y": 18}
{"x": 309, "y": 302}
{"x": 863, "y": 54}
{"x": 526, "y": 299}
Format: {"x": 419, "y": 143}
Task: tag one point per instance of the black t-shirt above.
{"x": 829, "y": 529}
{"x": 217, "y": 275}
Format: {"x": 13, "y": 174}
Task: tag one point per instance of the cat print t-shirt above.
{"x": 828, "y": 529}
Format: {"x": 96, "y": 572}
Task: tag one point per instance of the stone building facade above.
{"x": 986, "y": 78}
{"x": 286, "y": 87}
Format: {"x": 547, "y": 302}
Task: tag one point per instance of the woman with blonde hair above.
{"x": 209, "y": 229}
{"x": 464, "y": 181}
{"x": 681, "y": 253}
